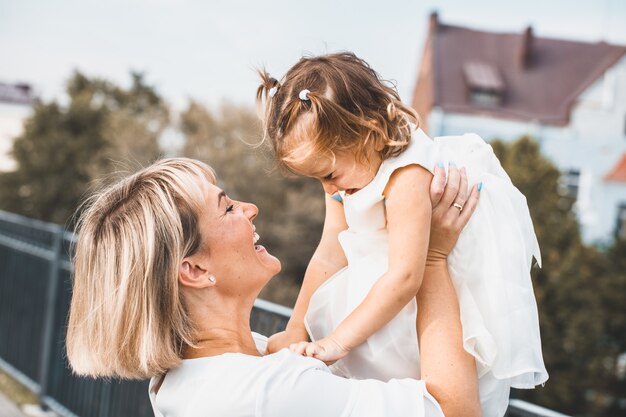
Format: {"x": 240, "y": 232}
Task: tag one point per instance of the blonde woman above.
{"x": 167, "y": 268}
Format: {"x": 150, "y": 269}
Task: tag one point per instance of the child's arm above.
{"x": 408, "y": 208}
{"x": 326, "y": 261}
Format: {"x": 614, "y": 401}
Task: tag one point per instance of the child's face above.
{"x": 347, "y": 173}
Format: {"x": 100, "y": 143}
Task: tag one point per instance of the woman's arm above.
{"x": 327, "y": 259}
{"x": 449, "y": 371}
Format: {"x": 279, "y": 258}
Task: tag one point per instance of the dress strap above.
{"x": 421, "y": 151}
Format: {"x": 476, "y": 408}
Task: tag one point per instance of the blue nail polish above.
{"x": 480, "y": 186}
{"x": 440, "y": 164}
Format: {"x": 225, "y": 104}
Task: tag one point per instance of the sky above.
{"x": 208, "y": 49}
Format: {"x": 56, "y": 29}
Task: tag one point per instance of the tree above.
{"x": 614, "y": 290}
{"x": 573, "y": 290}
{"x": 291, "y": 209}
{"x": 64, "y": 149}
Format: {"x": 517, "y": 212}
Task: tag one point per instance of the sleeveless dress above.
{"x": 489, "y": 268}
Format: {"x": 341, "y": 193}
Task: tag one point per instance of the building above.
{"x": 570, "y": 96}
{"x": 15, "y": 105}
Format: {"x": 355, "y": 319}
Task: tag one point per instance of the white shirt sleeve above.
{"x": 303, "y": 387}
{"x": 260, "y": 341}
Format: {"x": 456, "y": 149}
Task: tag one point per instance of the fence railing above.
{"x": 35, "y": 286}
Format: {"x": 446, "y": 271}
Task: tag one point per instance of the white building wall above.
{"x": 11, "y": 125}
{"x": 593, "y": 143}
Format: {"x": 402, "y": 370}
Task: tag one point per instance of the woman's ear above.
{"x": 192, "y": 274}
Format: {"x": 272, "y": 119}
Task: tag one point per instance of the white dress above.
{"x": 282, "y": 384}
{"x": 489, "y": 267}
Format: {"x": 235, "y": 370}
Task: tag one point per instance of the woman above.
{"x": 166, "y": 273}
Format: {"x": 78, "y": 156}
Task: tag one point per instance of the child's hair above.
{"x": 338, "y": 103}
{"x": 127, "y": 316}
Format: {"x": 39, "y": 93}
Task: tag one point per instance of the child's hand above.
{"x": 328, "y": 350}
{"x": 286, "y": 338}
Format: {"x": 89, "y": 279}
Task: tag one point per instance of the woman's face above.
{"x": 229, "y": 241}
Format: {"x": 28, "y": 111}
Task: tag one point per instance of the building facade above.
{"x": 16, "y": 102}
{"x": 569, "y": 96}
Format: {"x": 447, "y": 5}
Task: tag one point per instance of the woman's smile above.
{"x": 255, "y": 239}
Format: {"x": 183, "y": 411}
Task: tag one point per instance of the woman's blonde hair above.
{"x": 127, "y": 317}
{"x": 348, "y": 107}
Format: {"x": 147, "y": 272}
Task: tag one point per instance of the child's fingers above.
{"x": 470, "y": 206}
{"x": 322, "y": 355}
{"x": 298, "y": 348}
{"x": 311, "y": 350}
{"x": 438, "y": 184}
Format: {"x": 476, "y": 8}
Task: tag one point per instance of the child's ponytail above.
{"x": 269, "y": 86}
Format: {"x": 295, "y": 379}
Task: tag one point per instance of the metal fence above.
{"x": 35, "y": 286}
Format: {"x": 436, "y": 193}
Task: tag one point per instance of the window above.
{"x": 620, "y": 228}
{"x": 485, "y": 98}
{"x": 484, "y": 82}
{"x": 569, "y": 183}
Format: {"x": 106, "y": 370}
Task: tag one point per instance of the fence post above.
{"x": 50, "y": 306}
{"x": 105, "y": 399}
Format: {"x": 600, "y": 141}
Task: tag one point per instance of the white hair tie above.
{"x": 273, "y": 91}
{"x": 304, "y": 95}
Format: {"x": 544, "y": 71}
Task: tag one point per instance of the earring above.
{"x": 212, "y": 278}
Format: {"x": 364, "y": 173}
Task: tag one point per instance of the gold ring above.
{"x": 457, "y": 205}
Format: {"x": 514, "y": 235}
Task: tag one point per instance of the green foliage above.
{"x": 291, "y": 210}
{"x": 614, "y": 337}
{"x": 64, "y": 149}
{"x": 579, "y": 293}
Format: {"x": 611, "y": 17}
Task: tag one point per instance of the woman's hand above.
{"x": 453, "y": 206}
{"x": 285, "y": 339}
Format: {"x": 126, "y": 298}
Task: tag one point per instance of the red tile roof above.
{"x": 541, "y": 77}
{"x": 618, "y": 173}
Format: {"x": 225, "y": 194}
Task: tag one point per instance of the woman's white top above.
{"x": 489, "y": 267}
{"x": 282, "y": 384}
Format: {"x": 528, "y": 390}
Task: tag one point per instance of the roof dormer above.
{"x": 484, "y": 83}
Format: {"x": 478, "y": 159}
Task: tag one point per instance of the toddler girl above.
{"x": 332, "y": 118}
